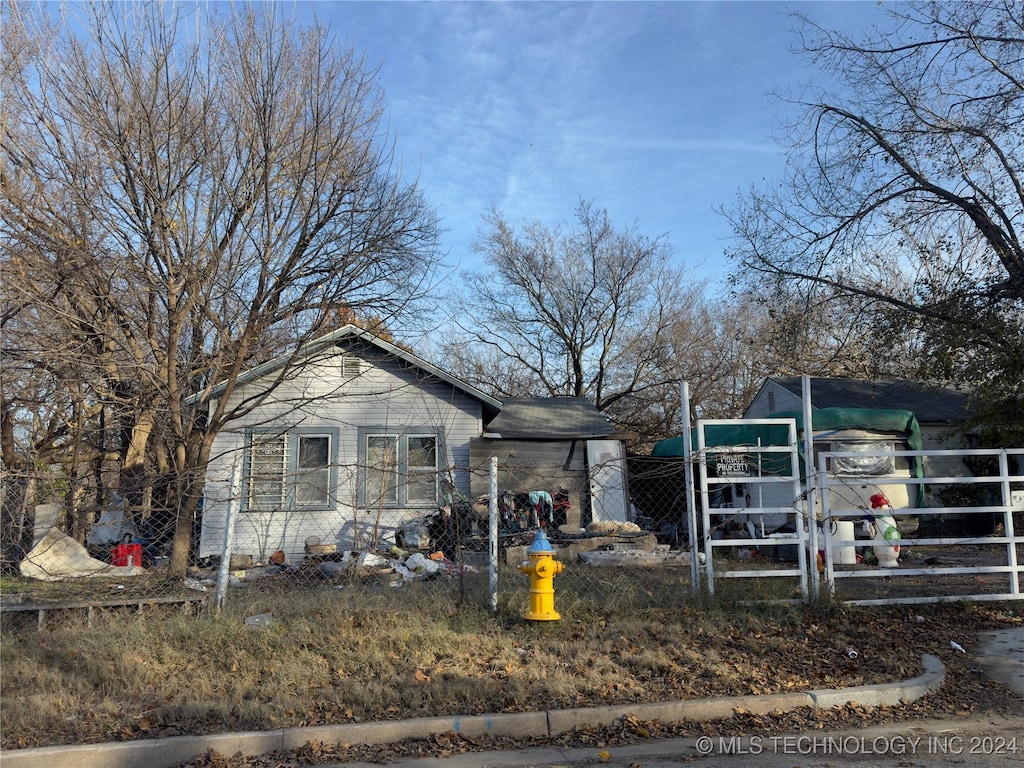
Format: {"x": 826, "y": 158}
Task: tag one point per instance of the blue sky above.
{"x": 657, "y": 111}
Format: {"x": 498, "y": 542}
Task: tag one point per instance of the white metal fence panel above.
{"x": 967, "y": 545}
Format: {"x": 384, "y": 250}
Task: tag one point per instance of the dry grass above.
{"x": 345, "y": 655}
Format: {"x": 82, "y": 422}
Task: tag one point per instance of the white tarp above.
{"x": 45, "y": 517}
{"x": 58, "y": 556}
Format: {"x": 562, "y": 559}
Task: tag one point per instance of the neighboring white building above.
{"x": 361, "y": 438}
{"x": 855, "y": 416}
{"x": 941, "y": 413}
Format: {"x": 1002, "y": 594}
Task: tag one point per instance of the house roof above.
{"x": 931, "y": 403}
{"x": 550, "y": 418}
{"x": 354, "y": 333}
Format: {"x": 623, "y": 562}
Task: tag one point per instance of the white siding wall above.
{"x": 943, "y": 439}
{"x": 385, "y": 394}
{"x": 784, "y": 400}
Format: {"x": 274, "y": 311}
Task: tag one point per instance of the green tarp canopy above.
{"x": 823, "y": 420}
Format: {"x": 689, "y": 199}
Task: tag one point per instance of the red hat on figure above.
{"x": 879, "y": 500}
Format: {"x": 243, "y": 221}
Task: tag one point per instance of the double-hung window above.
{"x": 399, "y": 467}
{"x": 380, "y": 469}
{"x": 291, "y": 471}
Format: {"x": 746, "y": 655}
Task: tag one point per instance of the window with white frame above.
{"x": 290, "y": 471}
{"x": 400, "y": 467}
{"x": 380, "y": 483}
{"x": 266, "y": 475}
{"x": 421, "y": 468}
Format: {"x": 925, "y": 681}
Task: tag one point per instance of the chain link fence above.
{"x": 72, "y": 548}
{"x": 65, "y": 551}
{"x": 619, "y": 531}
{"x": 471, "y": 546}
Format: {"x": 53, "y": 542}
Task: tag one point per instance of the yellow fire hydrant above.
{"x": 542, "y": 568}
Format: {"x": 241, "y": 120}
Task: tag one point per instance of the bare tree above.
{"x": 904, "y": 188}
{"x": 186, "y": 194}
{"x": 822, "y": 334}
{"x": 590, "y": 311}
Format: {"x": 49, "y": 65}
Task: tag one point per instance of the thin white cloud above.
{"x": 656, "y": 110}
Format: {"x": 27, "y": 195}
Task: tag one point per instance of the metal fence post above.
{"x": 223, "y": 572}
{"x": 691, "y": 506}
{"x": 492, "y": 533}
{"x": 810, "y": 490}
{"x": 1008, "y": 528}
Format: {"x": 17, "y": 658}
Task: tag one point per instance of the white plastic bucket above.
{"x": 844, "y": 531}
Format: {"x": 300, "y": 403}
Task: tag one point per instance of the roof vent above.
{"x": 351, "y": 366}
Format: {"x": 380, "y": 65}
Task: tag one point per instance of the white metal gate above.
{"x": 741, "y": 468}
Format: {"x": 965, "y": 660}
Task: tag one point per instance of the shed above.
{"x": 559, "y": 445}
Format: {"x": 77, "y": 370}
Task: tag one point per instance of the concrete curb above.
{"x": 719, "y": 708}
{"x": 162, "y": 753}
{"x": 889, "y": 694}
{"x": 515, "y": 724}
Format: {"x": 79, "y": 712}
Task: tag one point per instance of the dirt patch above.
{"x": 923, "y": 572}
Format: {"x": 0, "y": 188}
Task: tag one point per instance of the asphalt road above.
{"x": 977, "y": 743}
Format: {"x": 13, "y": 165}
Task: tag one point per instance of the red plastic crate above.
{"x": 126, "y": 554}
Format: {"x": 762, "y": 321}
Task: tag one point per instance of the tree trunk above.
{"x": 191, "y": 460}
{"x": 133, "y": 479}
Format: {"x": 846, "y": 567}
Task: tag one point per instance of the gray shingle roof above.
{"x": 550, "y": 418}
{"x": 931, "y": 403}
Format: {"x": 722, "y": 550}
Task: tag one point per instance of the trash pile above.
{"x": 392, "y": 567}
{"x": 428, "y": 548}
{"x": 526, "y": 511}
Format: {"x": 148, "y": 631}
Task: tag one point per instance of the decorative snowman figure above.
{"x": 881, "y": 528}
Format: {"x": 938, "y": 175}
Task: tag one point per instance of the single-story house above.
{"x": 941, "y": 412}
{"x": 560, "y": 445}
{"x": 360, "y": 438}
